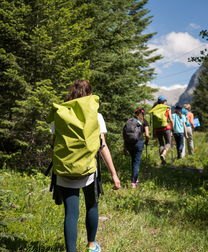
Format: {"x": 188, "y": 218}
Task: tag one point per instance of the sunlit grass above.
{"x": 168, "y": 212}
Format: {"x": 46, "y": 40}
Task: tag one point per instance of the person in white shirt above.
{"x": 70, "y": 188}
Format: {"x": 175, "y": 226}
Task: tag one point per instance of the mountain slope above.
{"x": 186, "y": 96}
{"x": 172, "y": 95}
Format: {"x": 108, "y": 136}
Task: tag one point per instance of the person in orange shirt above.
{"x": 189, "y": 127}
{"x": 163, "y": 134}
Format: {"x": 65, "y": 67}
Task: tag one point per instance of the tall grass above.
{"x": 168, "y": 212}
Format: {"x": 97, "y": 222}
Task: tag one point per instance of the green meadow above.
{"x": 167, "y": 212}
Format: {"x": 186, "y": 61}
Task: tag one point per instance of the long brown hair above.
{"x": 79, "y": 89}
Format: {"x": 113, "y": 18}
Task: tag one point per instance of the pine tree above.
{"x": 57, "y": 32}
{"x": 13, "y": 85}
{"x": 40, "y": 44}
{"x": 119, "y": 57}
{"x": 45, "y": 45}
{"x": 200, "y": 96}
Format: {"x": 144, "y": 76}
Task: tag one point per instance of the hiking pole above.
{"x": 48, "y": 169}
{"x": 146, "y": 152}
{"x": 172, "y": 148}
{"x": 146, "y": 158}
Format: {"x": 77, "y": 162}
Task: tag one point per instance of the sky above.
{"x": 178, "y": 24}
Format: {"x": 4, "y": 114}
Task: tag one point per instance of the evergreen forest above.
{"x": 46, "y": 45}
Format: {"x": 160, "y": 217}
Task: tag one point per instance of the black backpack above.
{"x": 132, "y": 132}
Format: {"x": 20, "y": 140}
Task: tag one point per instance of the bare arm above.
{"x": 185, "y": 130}
{"x": 146, "y": 133}
{"x": 106, "y": 156}
{"x": 170, "y": 118}
{"x": 191, "y": 119}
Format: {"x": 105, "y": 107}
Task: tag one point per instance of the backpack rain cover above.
{"x": 77, "y": 136}
{"x": 159, "y": 117}
{"x": 132, "y": 132}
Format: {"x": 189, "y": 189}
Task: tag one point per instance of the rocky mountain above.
{"x": 181, "y": 95}
{"x": 186, "y": 96}
{"x": 172, "y": 94}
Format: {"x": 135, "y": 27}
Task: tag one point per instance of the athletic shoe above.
{"x": 133, "y": 185}
{"x": 96, "y": 248}
{"x": 162, "y": 157}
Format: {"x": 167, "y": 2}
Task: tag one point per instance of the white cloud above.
{"x": 195, "y": 26}
{"x": 172, "y": 87}
{"x": 177, "y": 47}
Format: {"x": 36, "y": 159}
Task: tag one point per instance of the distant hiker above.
{"x": 134, "y": 131}
{"x": 179, "y": 129}
{"x": 162, "y": 125}
{"x": 190, "y": 127}
{"x": 78, "y": 130}
{"x": 184, "y": 112}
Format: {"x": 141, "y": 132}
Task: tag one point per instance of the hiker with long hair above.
{"x": 179, "y": 129}
{"x": 162, "y": 125}
{"x": 69, "y": 187}
{"x": 135, "y": 147}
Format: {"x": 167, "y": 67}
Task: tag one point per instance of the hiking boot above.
{"x": 133, "y": 185}
{"x": 179, "y": 155}
{"x": 162, "y": 157}
{"x": 95, "y": 248}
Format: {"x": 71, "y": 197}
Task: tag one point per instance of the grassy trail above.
{"x": 168, "y": 212}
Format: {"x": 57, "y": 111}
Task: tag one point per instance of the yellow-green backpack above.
{"x": 77, "y": 136}
{"x": 159, "y": 118}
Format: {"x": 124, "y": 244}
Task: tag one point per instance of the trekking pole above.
{"x": 48, "y": 169}
{"x": 146, "y": 158}
{"x": 172, "y": 146}
{"x": 145, "y": 166}
{"x": 146, "y": 152}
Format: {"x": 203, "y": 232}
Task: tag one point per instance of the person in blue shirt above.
{"x": 179, "y": 128}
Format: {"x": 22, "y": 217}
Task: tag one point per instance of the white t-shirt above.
{"x": 79, "y": 183}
